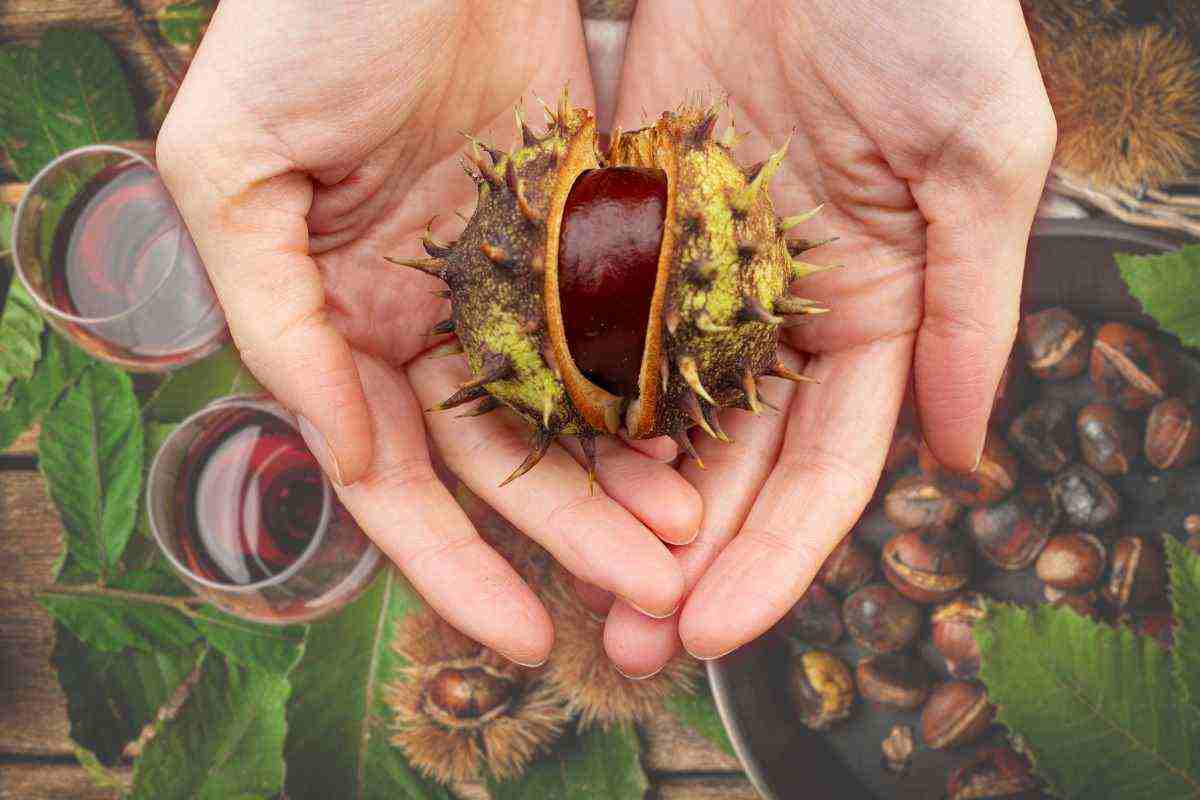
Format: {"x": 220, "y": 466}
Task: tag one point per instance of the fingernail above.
{"x": 528, "y": 666}
{"x": 709, "y": 658}
{"x": 645, "y": 677}
{"x": 978, "y": 461}
{"x": 320, "y": 449}
{"x": 644, "y": 612}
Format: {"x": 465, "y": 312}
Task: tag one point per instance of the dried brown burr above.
{"x": 1071, "y": 562}
{"x": 848, "y": 567}
{"x": 822, "y": 689}
{"x": 1137, "y": 575}
{"x": 1057, "y": 343}
{"x": 952, "y": 624}
{"x": 1044, "y": 435}
{"x": 1085, "y": 498}
{"x": 919, "y": 501}
{"x": 991, "y": 481}
{"x": 1108, "y": 440}
{"x": 957, "y": 713}
{"x": 926, "y": 566}
{"x": 1127, "y": 367}
{"x": 1172, "y": 435}
{"x": 816, "y": 618}
{"x": 894, "y": 679}
{"x": 1012, "y": 533}
{"x": 881, "y": 619}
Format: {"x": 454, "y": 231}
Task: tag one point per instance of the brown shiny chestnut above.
{"x": 816, "y": 618}
{"x": 1012, "y": 533}
{"x": 1085, "y": 498}
{"x": 992, "y": 480}
{"x": 893, "y": 679}
{"x": 822, "y": 689}
{"x": 1108, "y": 439}
{"x": 957, "y": 713}
{"x": 880, "y": 619}
{"x": 1071, "y": 562}
{"x": 919, "y": 501}
{"x": 952, "y": 625}
{"x": 992, "y": 772}
{"x": 1127, "y": 367}
{"x": 1057, "y": 343}
{"x": 1137, "y": 575}
{"x": 926, "y": 566}
{"x": 1172, "y": 435}
{"x": 1044, "y": 435}
{"x": 848, "y": 567}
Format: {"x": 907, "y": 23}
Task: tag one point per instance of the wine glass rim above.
{"x": 45, "y": 305}
{"x": 270, "y": 406}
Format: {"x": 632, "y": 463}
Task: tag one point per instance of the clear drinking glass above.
{"x": 102, "y": 249}
{"x": 242, "y": 511}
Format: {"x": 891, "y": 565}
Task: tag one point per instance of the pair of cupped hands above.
{"x": 311, "y": 139}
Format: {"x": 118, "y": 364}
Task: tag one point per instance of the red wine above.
{"x": 121, "y": 248}
{"x": 249, "y": 499}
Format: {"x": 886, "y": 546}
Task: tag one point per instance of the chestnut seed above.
{"x": 992, "y": 480}
{"x": 1057, "y": 343}
{"x": 822, "y": 689}
{"x": 926, "y": 566}
{"x": 903, "y": 449}
{"x": 816, "y": 618}
{"x": 993, "y": 772}
{"x": 881, "y": 619}
{"x": 1071, "y": 562}
{"x": 917, "y": 501}
{"x": 893, "y": 679}
{"x": 1172, "y": 435}
{"x": 1044, "y": 435}
{"x": 468, "y": 693}
{"x": 1085, "y": 498}
{"x": 1012, "y": 533}
{"x": 957, "y": 713}
{"x": 1127, "y": 367}
{"x": 952, "y": 625}
{"x": 1137, "y": 575}
{"x": 847, "y": 568}
{"x": 898, "y": 749}
{"x": 1108, "y": 440}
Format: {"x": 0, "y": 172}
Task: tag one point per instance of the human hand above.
{"x": 927, "y": 134}
{"x": 307, "y": 142}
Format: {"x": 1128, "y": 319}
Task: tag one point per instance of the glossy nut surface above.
{"x": 1172, "y": 435}
{"x": 1044, "y": 435}
{"x": 1071, "y": 562}
{"x": 1085, "y": 498}
{"x": 926, "y": 566}
{"x": 468, "y": 693}
{"x": 816, "y": 618}
{"x": 1056, "y": 342}
{"x": 822, "y": 689}
{"x": 1127, "y": 367}
{"x": 1137, "y": 575}
{"x": 957, "y": 713}
{"x": 893, "y": 679}
{"x": 951, "y": 625}
{"x": 918, "y": 501}
{"x": 1012, "y": 533}
{"x": 847, "y": 568}
{"x": 993, "y": 772}
{"x": 992, "y": 480}
{"x": 881, "y": 619}
{"x": 1108, "y": 439}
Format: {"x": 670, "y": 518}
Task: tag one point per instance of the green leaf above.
{"x": 6, "y": 220}
{"x": 593, "y": 765}
{"x": 111, "y": 696}
{"x": 186, "y": 391}
{"x": 697, "y": 711}
{"x": 1167, "y": 285}
{"x": 182, "y": 24}
{"x": 68, "y": 92}
{"x": 90, "y": 452}
{"x": 1183, "y": 568}
{"x": 1097, "y": 704}
{"x": 338, "y": 721}
{"x": 114, "y": 623}
{"x": 274, "y": 648}
{"x": 225, "y": 741}
{"x": 61, "y": 366}
{"x": 20, "y": 339}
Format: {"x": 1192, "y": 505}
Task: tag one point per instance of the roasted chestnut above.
{"x": 847, "y": 568}
{"x": 822, "y": 689}
{"x": 1012, "y": 533}
{"x": 957, "y": 713}
{"x": 952, "y": 625}
{"x": 1137, "y": 575}
{"x": 1085, "y": 498}
{"x": 881, "y": 619}
{"x": 926, "y": 566}
{"x": 893, "y": 679}
{"x": 1108, "y": 440}
{"x": 1044, "y": 435}
{"x": 1071, "y": 562}
{"x": 816, "y": 618}
{"x": 1127, "y": 367}
{"x": 1057, "y": 343}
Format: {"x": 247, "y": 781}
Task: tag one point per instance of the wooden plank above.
{"x": 26, "y": 443}
{"x": 717, "y": 787}
{"x": 50, "y": 782}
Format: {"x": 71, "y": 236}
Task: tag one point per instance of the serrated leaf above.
{"x": 1097, "y": 704}
{"x": 1167, "y": 285}
{"x": 593, "y": 765}
{"x": 6, "y": 220}
{"x": 112, "y": 695}
{"x": 339, "y": 748}
{"x": 67, "y": 92}
{"x": 183, "y": 24}
{"x": 61, "y": 365}
{"x": 186, "y": 391}
{"x": 274, "y": 648}
{"x": 225, "y": 741}
{"x": 20, "y": 339}
{"x": 696, "y": 710}
{"x": 101, "y": 775}
{"x": 114, "y": 623}
{"x": 90, "y": 452}
{"x": 1183, "y": 569}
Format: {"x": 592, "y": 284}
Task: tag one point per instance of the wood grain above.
{"x": 50, "y": 782}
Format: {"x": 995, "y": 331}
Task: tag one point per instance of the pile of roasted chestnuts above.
{"x": 1088, "y": 463}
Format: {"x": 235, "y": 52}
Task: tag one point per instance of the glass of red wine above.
{"x": 244, "y": 514}
{"x": 102, "y": 249}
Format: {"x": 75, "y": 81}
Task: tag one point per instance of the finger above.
{"x": 252, "y": 234}
{"x": 593, "y": 598}
{"x": 662, "y": 448}
{"x": 836, "y": 439}
{"x": 979, "y": 207}
{"x": 640, "y": 646}
{"x": 407, "y": 511}
{"x": 651, "y": 490}
{"x": 585, "y": 530}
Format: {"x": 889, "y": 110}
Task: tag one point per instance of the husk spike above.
{"x": 436, "y": 267}
{"x": 445, "y": 326}
{"x": 787, "y": 223}
{"x": 755, "y": 311}
{"x": 691, "y": 374}
{"x": 487, "y": 405}
{"x": 802, "y": 269}
{"x": 797, "y": 246}
{"x": 537, "y": 448}
{"x": 685, "y": 444}
{"x": 691, "y": 405}
{"x": 780, "y": 371}
{"x": 463, "y": 395}
{"x": 750, "y": 387}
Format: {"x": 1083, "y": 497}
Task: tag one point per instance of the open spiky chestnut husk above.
{"x": 642, "y": 289}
